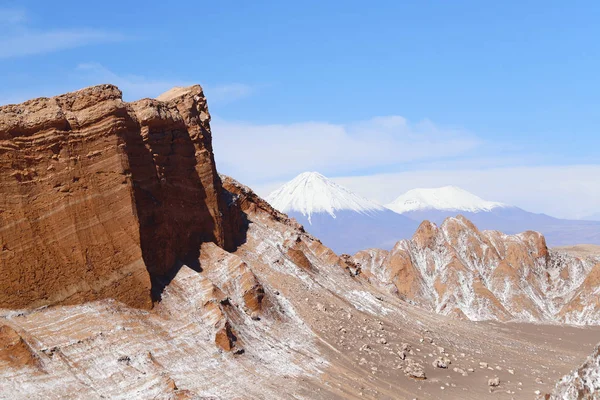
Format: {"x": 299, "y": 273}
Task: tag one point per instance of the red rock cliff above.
{"x": 102, "y": 198}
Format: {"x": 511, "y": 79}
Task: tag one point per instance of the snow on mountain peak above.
{"x": 311, "y": 192}
{"x": 448, "y": 198}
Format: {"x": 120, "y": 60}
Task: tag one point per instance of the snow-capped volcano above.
{"x": 447, "y": 198}
{"x": 344, "y": 221}
{"x": 437, "y": 204}
{"x": 311, "y": 192}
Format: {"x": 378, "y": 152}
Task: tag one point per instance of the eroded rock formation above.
{"x": 455, "y": 269}
{"x": 102, "y": 198}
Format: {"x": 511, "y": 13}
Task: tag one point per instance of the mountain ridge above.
{"x": 311, "y": 192}
{"x": 447, "y": 198}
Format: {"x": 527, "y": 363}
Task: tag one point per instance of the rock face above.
{"x": 101, "y": 198}
{"x": 455, "y": 269}
{"x": 582, "y": 383}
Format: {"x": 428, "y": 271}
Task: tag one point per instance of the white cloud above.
{"x": 571, "y": 191}
{"x": 362, "y": 155}
{"x": 257, "y": 153}
{"x": 137, "y": 87}
{"x": 134, "y": 87}
{"x": 17, "y": 39}
{"x": 28, "y": 43}
{"x": 12, "y": 16}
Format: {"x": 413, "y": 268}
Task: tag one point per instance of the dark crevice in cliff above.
{"x": 235, "y": 221}
{"x": 170, "y": 200}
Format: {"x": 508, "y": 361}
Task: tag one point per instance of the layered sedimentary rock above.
{"x": 101, "y": 198}
{"x": 455, "y": 269}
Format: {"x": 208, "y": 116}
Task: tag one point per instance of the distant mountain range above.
{"x": 593, "y": 217}
{"x": 438, "y": 204}
{"x": 343, "y": 220}
{"x": 347, "y": 222}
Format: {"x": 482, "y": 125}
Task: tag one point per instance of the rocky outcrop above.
{"x": 102, "y": 198}
{"x": 582, "y": 383}
{"x": 455, "y": 269}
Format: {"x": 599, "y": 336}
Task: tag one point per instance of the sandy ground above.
{"x": 525, "y": 357}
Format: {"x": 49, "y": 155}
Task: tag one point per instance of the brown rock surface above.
{"x": 14, "y": 350}
{"x": 101, "y": 198}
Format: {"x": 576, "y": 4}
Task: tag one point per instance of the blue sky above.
{"x": 501, "y": 98}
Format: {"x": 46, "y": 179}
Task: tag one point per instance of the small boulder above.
{"x": 415, "y": 371}
{"x": 494, "y": 382}
{"x": 442, "y": 362}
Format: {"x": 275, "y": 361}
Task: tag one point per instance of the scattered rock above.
{"x": 494, "y": 382}
{"x": 225, "y": 338}
{"x": 415, "y": 370}
{"x": 442, "y": 362}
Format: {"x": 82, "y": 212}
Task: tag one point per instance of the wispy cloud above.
{"x": 41, "y": 42}
{"x": 18, "y": 39}
{"x": 366, "y": 155}
{"x": 259, "y": 153}
{"x": 220, "y": 94}
{"x": 134, "y": 87}
{"x": 12, "y": 16}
